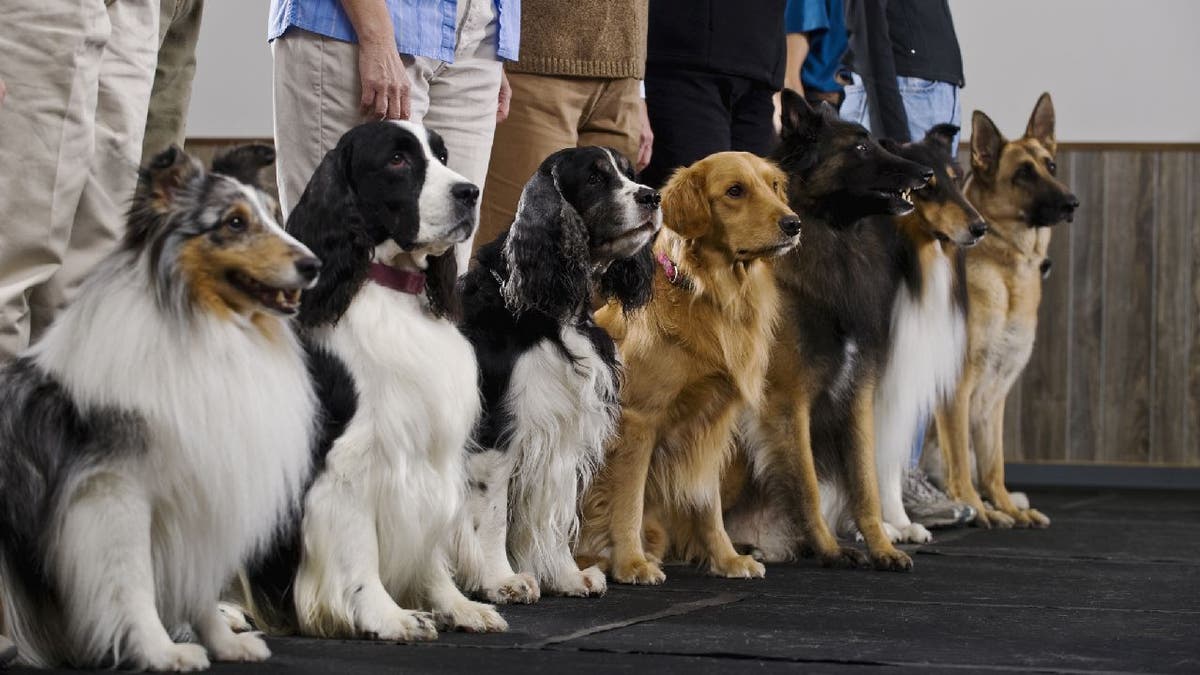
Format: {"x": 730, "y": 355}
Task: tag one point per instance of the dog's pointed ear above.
{"x": 986, "y": 142}
{"x": 941, "y": 136}
{"x": 1041, "y": 123}
{"x": 685, "y": 206}
{"x": 441, "y": 285}
{"x": 165, "y": 174}
{"x": 796, "y": 117}
{"x": 630, "y": 280}
{"x": 546, "y": 250}
{"x": 244, "y": 162}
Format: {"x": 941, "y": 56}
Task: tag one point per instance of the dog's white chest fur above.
{"x": 418, "y": 402}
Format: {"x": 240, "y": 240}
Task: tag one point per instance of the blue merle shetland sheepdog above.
{"x": 154, "y": 438}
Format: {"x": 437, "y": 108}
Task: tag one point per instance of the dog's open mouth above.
{"x": 282, "y": 300}
{"x": 900, "y": 201}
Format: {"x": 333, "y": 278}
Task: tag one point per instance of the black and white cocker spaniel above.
{"x": 397, "y": 383}
{"x": 549, "y": 374}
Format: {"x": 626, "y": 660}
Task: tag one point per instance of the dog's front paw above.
{"x": 739, "y": 567}
{"x": 472, "y": 617}
{"x": 1037, "y": 518}
{"x": 583, "y": 583}
{"x": 997, "y": 519}
{"x": 638, "y": 571}
{"x": 891, "y": 561}
{"x": 519, "y": 589}
{"x": 844, "y": 557}
{"x": 915, "y": 533}
{"x": 890, "y": 531}
{"x": 244, "y": 647}
{"x": 178, "y": 658}
{"x": 404, "y": 625}
{"x": 234, "y": 617}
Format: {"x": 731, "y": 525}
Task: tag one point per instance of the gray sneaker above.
{"x": 8, "y": 652}
{"x": 931, "y": 507}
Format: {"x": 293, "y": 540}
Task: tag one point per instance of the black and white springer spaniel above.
{"x": 549, "y": 374}
{"x": 397, "y": 383}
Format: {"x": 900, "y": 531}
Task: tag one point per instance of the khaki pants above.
{"x": 179, "y": 30}
{"x": 549, "y": 114}
{"x": 79, "y": 75}
{"x": 317, "y": 91}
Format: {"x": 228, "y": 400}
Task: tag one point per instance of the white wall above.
{"x": 1119, "y": 70}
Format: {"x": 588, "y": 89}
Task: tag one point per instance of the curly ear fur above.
{"x": 441, "y": 286}
{"x": 546, "y": 252}
{"x": 685, "y": 207}
{"x": 244, "y": 162}
{"x": 327, "y": 220}
{"x": 630, "y": 280}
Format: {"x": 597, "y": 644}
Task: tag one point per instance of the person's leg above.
{"x": 316, "y": 94}
{"x": 928, "y": 103}
{"x": 752, "y": 128}
{"x": 126, "y": 78}
{"x": 854, "y": 104}
{"x": 51, "y": 67}
{"x": 166, "y": 121}
{"x": 690, "y": 116}
{"x": 544, "y": 117}
{"x": 615, "y": 118}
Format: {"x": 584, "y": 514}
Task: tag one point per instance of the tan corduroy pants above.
{"x": 548, "y": 114}
{"x": 79, "y": 74}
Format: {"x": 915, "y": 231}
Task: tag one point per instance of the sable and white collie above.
{"x": 155, "y": 438}
{"x": 398, "y": 387}
{"x": 549, "y": 374}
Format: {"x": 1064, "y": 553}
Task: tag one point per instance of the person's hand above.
{"x": 645, "y": 139}
{"x": 386, "y": 89}
{"x": 505, "y": 99}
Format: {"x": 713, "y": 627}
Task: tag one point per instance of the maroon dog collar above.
{"x": 404, "y": 281}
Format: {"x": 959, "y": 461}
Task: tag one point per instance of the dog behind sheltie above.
{"x": 154, "y": 438}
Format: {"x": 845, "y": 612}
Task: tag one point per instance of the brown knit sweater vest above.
{"x": 582, "y": 38}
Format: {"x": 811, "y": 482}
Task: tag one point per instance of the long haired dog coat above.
{"x": 155, "y": 437}
{"x": 398, "y": 388}
{"x": 549, "y": 374}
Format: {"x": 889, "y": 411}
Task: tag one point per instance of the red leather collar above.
{"x": 404, "y": 281}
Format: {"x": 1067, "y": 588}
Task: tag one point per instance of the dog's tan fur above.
{"x": 1004, "y": 282}
{"x": 694, "y": 359}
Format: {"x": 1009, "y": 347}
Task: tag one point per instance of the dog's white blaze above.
{"x": 929, "y": 337}
{"x": 230, "y": 419}
{"x": 380, "y": 517}
{"x": 435, "y": 203}
{"x": 629, "y": 189}
{"x": 562, "y": 418}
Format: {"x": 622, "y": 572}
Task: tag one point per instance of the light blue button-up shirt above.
{"x": 423, "y": 27}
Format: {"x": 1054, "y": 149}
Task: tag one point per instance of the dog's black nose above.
{"x": 978, "y": 228}
{"x": 465, "y": 192}
{"x": 308, "y": 268}
{"x": 1071, "y": 203}
{"x": 647, "y": 197}
{"x": 790, "y": 224}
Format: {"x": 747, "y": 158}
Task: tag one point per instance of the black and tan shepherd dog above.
{"x": 838, "y": 289}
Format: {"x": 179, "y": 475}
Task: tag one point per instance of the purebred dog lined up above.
{"x": 321, "y": 429}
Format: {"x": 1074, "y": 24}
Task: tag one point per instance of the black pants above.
{"x": 694, "y": 114}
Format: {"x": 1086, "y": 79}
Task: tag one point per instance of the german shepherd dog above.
{"x": 837, "y": 294}
{"x": 1012, "y": 184}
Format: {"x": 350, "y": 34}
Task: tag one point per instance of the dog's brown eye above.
{"x": 1051, "y": 166}
{"x": 735, "y": 190}
{"x": 399, "y": 161}
{"x": 236, "y": 223}
{"x": 861, "y": 147}
{"x": 594, "y": 178}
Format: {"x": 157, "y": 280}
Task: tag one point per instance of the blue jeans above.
{"x": 926, "y": 103}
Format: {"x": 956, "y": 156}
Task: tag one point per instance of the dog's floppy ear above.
{"x": 441, "y": 286}
{"x": 244, "y": 162}
{"x": 1041, "y": 123}
{"x": 166, "y": 173}
{"x": 546, "y": 251}
{"x": 986, "y": 141}
{"x": 685, "y": 206}
{"x": 327, "y": 220}
{"x": 941, "y": 136}
{"x": 630, "y": 280}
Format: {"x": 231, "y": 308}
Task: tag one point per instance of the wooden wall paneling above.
{"x": 1174, "y": 318}
{"x": 1192, "y": 225}
{"x": 1085, "y": 274}
{"x": 1129, "y": 203}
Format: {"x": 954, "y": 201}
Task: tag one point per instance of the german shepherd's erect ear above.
{"x": 1041, "y": 124}
{"x": 986, "y": 143}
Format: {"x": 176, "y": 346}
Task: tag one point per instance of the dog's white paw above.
{"x": 234, "y": 617}
{"x": 178, "y": 658}
{"x": 893, "y": 534}
{"x": 582, "y": 583}
{"x": 404, "y": 625}
{"x": 472, "y": 617}
{"x": 1019, "y": 500}
{"x": 915, "y": 533}
{"x": 245, "y": 647}
{"x": 519, "y": 589}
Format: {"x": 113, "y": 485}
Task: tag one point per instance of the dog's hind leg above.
{"x": 481, "y": 561}
{"x": 862, "y": 479}
{"x": 104, "y": 568}
{"x": 991, "y": 472}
